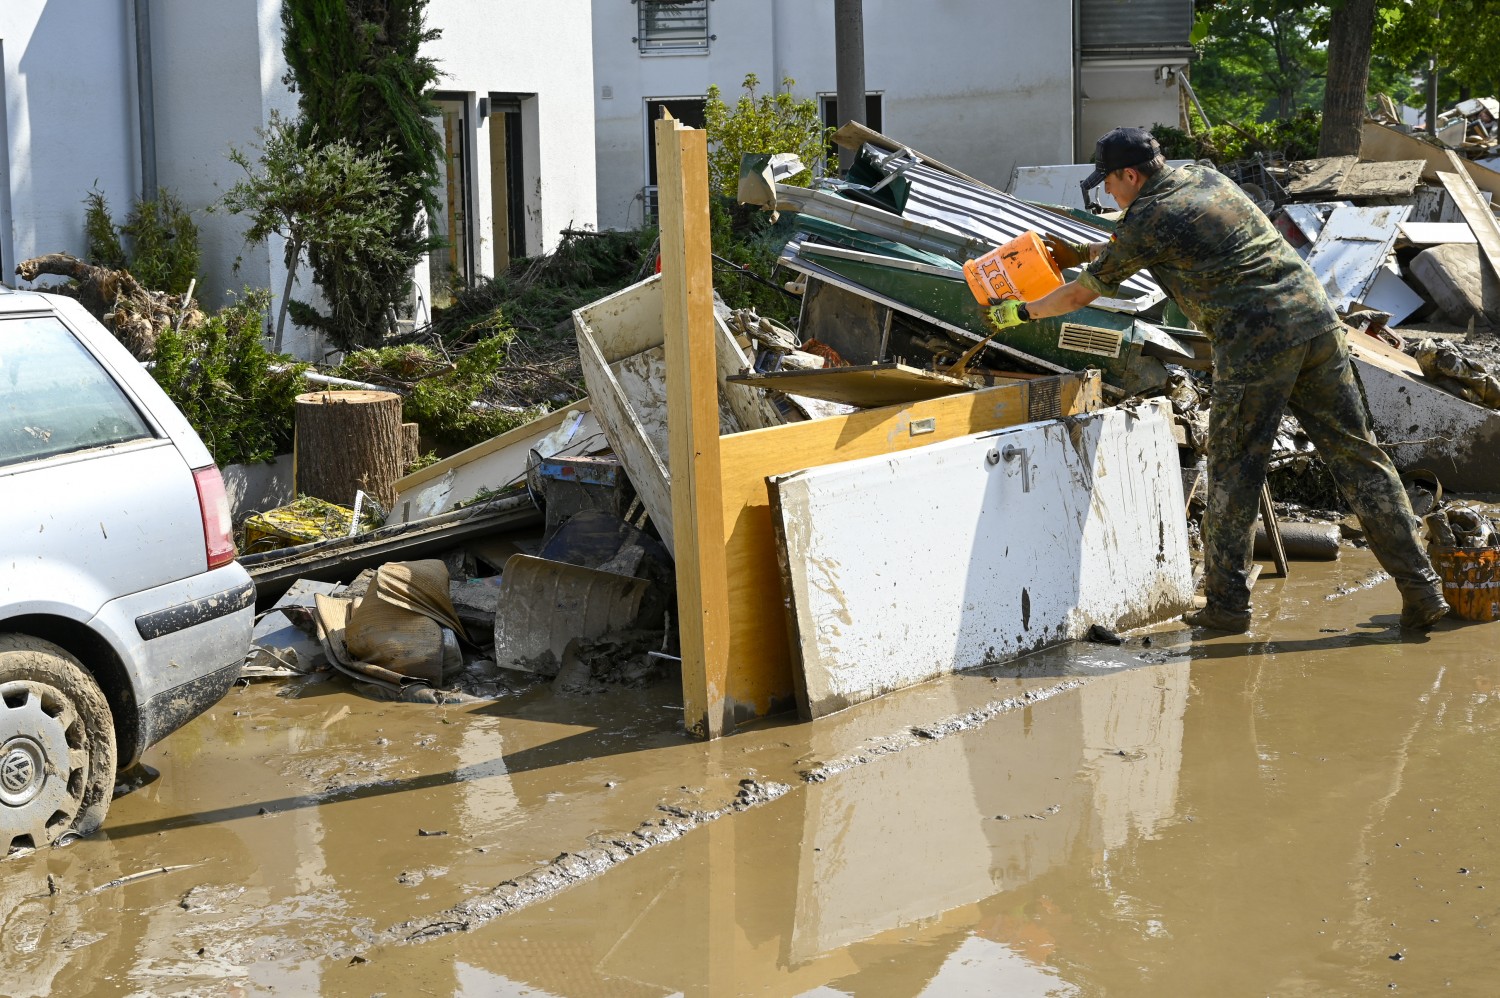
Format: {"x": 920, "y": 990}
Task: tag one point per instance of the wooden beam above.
{"x": 1481, "y": 219}
{"x": 693, "y": 424}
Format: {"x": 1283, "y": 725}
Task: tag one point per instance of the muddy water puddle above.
{"x": 1303, "y": 810}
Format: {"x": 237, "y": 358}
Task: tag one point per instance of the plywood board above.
{"x": 1008, "y": 542}
{"x": 1481, "y": 220}
{"x": 760, "y": 659}
{"x": 868, "y": 386}
{"x": 1436, "y": 233}
{"x": 496, "y": 463}
{"x": 1382, "y": 143}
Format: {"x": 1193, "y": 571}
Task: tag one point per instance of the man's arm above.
{"x": 1069, "y": 297}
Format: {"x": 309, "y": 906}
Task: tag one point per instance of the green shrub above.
{"x": 220, "y": 376}
{"x": 440, "y": 394}
{"x": 158, "y": 243}
{"x": 1294, "y": 138}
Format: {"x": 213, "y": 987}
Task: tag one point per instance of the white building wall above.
{"x": 69, "y": 122}
{"x": 1131, "y": 94}
{"x": 948, "y": 88}
{"x": 539, "y": 49}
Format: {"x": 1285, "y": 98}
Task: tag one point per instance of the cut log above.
{"x": 349, "y": 441}
{"x": 411, "y": 445}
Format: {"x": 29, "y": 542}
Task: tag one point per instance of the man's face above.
{"x": 1124, "y": 185}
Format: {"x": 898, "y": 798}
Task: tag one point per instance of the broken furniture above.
{"x": 496, "y": 464}
{"x": 1009, "y": 541}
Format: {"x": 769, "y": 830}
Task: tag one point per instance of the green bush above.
{"x": 1294, "y": 138}
{"x": 439, "y": 394}
{"x": 765, "y": 123}
{"x": 220, "y": 376}
{"x": 158, "y": 243}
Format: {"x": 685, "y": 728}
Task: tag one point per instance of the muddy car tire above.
{"x": 57, "y": 745}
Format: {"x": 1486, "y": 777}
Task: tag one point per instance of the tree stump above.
{"x": 411, "y": 437}
{"x": 348, "y": 441}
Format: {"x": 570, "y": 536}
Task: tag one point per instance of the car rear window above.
{"x": 55, "y": 398}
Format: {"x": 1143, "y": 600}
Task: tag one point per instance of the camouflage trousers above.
{"x": 1316, "y": 381}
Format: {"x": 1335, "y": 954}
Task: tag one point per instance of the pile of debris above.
{"x": 797, "y": 484}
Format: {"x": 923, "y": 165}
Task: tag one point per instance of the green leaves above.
{"x": 219, "y": 374}
{"x": 760, "y": 123}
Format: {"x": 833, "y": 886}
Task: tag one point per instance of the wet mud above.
{"x": 1306, "y": 809}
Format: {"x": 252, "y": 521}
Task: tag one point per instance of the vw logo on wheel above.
{"x": 21, "y": 772}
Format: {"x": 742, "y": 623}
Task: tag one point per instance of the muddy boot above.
{"x": 1214, "y": 618}
{"x": 1421, "y": 610}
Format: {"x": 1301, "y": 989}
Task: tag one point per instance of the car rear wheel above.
{"x": 57, "y": 745}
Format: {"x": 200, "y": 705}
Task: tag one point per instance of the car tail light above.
{"x": 218, "y": 525}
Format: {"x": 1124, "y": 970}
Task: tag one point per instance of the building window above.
{"x": 689, "y": 111}
{"x": 829, "y": 104}
{"x": 672, "y": 25}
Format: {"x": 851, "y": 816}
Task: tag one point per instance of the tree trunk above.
{"x": 347, "y": 441}
{"x": 411, "y": 445}
{"x": 1349, "y": 35}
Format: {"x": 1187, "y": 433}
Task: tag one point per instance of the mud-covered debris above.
{"x": 1101, "y": 635}
{"x": 209, "y": 898}
{"x": 431, "y": 833}
{"x": 931, "y": 732}
{"x": 570, "y": 868}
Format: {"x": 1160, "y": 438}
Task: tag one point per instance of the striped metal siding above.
{"x": 1111, "y": 26}
{"x": 942, "y": 200}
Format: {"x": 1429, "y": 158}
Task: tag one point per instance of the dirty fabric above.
{"x": 403, "y": 629}
{"x": 1224, "y": 264}
{"x": 1456, "y": 374}
{"x": 1316, "y": 380}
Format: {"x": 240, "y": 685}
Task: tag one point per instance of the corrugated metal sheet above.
{"x": 1107, "y": 27}
{"x": 946, "y": 202}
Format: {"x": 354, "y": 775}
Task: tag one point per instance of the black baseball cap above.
{"x": 1119, "y": 148}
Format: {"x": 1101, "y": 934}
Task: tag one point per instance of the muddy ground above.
{"x": 1303, "y": 810}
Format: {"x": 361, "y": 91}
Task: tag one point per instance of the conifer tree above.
{"x": 359, "y": 75}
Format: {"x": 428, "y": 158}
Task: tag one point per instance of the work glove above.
{"x": 1068, "y": 255}
{"x": 1007, "y": 314}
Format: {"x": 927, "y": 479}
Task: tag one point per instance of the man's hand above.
{"x": 1067, "y": 255}
{"x": 1007, "y": 314}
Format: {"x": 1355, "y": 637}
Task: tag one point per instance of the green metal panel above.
{"x": 952, "y": 304}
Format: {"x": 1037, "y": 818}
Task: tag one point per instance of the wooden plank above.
{"x": 761, "y": 679}
{"x": 1436, "y": 233}
{"x": 495, "y": 463}
{"x": 1376, "y": 351}
{"x": 1273, "y": 530}
{"x": 1382, "y": 143}
{"x": 688, "y": 332}
{"x": 1478, "y": 214}
{"x": 1007, "y": 543}
{"x": 854, "y": 134}
{"x": 868, "y": 386}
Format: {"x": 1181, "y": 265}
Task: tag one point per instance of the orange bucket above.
{"x": 1021, "y": 269}
{"x": 1471, "y": 580}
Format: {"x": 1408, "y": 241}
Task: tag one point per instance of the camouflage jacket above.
{"x": 1222, "y": 261}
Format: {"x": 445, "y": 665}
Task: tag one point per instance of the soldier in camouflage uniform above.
{"x": 1277, "y": 343}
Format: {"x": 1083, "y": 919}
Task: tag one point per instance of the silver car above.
{"x": 123, "y": 613}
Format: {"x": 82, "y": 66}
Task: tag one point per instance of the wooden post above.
{"x": 693, "y": 425}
